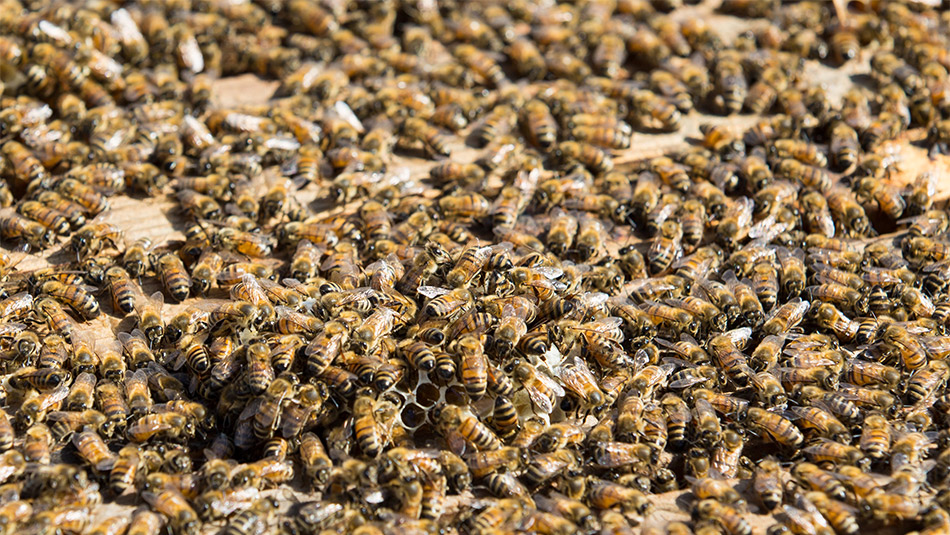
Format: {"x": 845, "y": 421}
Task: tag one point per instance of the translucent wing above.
{"x": 343, "y": 111}
{"x": 432, "y": 291}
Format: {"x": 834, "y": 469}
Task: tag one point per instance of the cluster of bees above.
{"x": 536, "y": 340}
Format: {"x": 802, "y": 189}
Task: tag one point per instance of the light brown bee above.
{"x": 604, "y": 495}
{"x": 432, "y": 139}
{"x": 465, "y": 175}
{"x": 175, "y": 508}
{"x": 463, "y": 428}
{"x": 481, "y": 64}
{"x": 775, "y": 427}
{"x": 527, "y": 59}
{"x": 17, "y": 227}
{"x": 816, "y": 478}
{"x": 94, "y": 451}
{"x": 539, "y": 125}
{"x": 150, "y": 322}
{"x": 725, "y": 516}
{"x": 76, "y": 297}
{"x": 49, "y": 217}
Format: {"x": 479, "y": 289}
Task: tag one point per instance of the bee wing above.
{"x": 146, "y": 425}
{"x": 385, "y": 311}
{"x": 799, "y": 307}
{"x": 665, "y": 212}
{"x": 873, "y": 273}
{"x": 604, "y": 325}
{"x": 59, "y": 394}
{"x": 675, "y": 361}
{"x": 638, "y": 284}
{"x": 796, "y": 346}
{"x": 105, "y": 345}
{"x": 456, "y": 442}
{"x": 58, "y": 416}
{"x": 527, "y": 180}
{"x": 687, "y": 382}
{"x": 742, "y": 208}
{"x": 295, "y": 284}
{"x": 595, "y": 299}
{"x": 916, "y": 329}
{"x": 21, "y": 300}
{"x": 919, "y": 219}
{"x": 540, "y": 398}
{"x": 640, "y": 359}
{"x": 703, "y": 405}
{"x": 685, "y": 337}
{"x": 739, "y": 336}
{"x": 928, "y": 180}
{"x": 288, "y": 313}
{"x": 8, "y": 329}
{"x": 282, "y": 142}
{"x": 729, "y": 277}
{"x": 156, "y": 300}
{"x": 432, "y": 291}
{"x": 798, "y": 516}
{"x": 84, "y": 379}
{"x": 138, "y": 377}
{"x": 702, "y": 267}
{"x": 342, "y": 110}
{"x": 549, "y": 272}
{"x": 943, "y": 267}
{"x": 799, "y": 413}
{"x": 763, "y": 227}
{"x": 359, "y": 294}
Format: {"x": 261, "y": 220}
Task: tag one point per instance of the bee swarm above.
{"x": 539, "y": 338}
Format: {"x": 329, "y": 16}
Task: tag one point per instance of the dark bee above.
{"x": 174, "y": 276}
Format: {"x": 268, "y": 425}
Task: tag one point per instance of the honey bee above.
{"x": 926, "y": 381}
{"x": 541, "y": 388}
{"x": 463, "y": 428}
{"x": 15, "y": 226}
{"x": 49, "y": 217}
{"x": 724, "y": 515}
{"x": 94, "y": 451}
{"x": 464, "y": 206}
{"x": 786, "y": 316}
{"x": 539, "y": 125}
{"x": 653, "y": 112}
{"x": 73, "y": 212}
{"x": 77, "y": 297}
{"x": 818, "y": 479}
{"x": 481, "y": 64}
{"x": 717, "y": 489}
{"x": 908, "y": 348}
{"x": 36, "y": 446}
{"x": 25, "y": 166}
{"x": 777, "y": 428}
{"x": 125, "y": 472}
{"x": 829, "y": 317}
{"x": 844, "y": 147}
{"x": 432, "y": 139}
{"x": 604, "y": 495}
{"x": 174, "y": 276}
{"x": 175, "y": 508}
{"x": 150, "y": 322}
